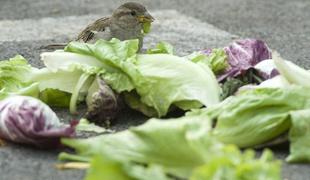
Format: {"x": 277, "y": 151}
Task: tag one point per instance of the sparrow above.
{"x": 125, "y": 23}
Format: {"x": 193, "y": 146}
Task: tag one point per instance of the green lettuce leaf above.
{"x": 156, "y": 142}
{"x": 73, "y": 80}
{"x": 299, "y": 137}
{"x": 61, "y": 80}
{"x": 13, "y": 72}
{"x": 112, "y": 55}
{"x": 103, "y": 168}
{"x": 118, "y": 81}
{"x": 85, "y": 125}
{"x": 257, "y": 116}
{"x": 66, "y": 73}
{"x": 55, "y": 98}
{"x": 73, "y": 70}
{"x": 217, "y": 59}
{"x": 66, "y": 61}
{"x": 181, "y": 147}
{"x": 29, "y": 90}
{"x": 239, "y": 166}
{"x": 187, "y": 85}
{"x": 147, "y": 173}
{"x": 19, "y": 78}
{"x": 132, "y": 99}
{"x": 146, "y": 27}
{"x": 14, "y": 79}
{"x": 119, "y": 65}
{"x": 161, "y": 48}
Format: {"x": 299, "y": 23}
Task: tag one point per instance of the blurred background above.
{"x": 27, "y": 25}
{"x": 284, "y": 24}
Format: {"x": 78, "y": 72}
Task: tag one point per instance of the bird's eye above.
{"x": 133, "y": 13}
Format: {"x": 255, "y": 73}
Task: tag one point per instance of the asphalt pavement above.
{"x": 25, "y": 26}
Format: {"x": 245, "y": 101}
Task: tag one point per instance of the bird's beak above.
{"x": 146, "y": 17}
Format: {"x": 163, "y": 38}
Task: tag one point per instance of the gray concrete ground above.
{"x": 27, "y": 25}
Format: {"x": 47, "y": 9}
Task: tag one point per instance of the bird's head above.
{"x": 132, "y": 14}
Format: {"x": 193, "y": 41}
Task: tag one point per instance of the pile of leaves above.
{"x": 240, "y": 96}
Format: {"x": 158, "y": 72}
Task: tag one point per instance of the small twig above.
{"x": 73, "y": 165}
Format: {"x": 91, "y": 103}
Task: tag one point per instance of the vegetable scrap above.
{"x": 27, "y": 120}
{"x": 72, "y": 165}
{"x": 243, "y": 95}
{"x": 182, "y": 147}
{"x": 85, "y": 126}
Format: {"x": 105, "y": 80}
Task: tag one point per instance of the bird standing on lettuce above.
{"x": 129, "y": 21}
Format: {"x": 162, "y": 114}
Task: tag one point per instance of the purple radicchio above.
{"x": 29, "y": 121}
{"x": 244, "y": 55}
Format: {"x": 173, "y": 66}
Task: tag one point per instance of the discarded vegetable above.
{"x": 179, "y": 147}
{"x": 103, "y": 104}
{"x": 187, "y": 85}
{"x": 85, "y": 126}
{"x": 29, "y": 121}
{"x": 243, "y": 55}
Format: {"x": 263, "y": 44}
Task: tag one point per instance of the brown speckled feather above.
{"x": 88, "y": 33}
{"x": 125, "y": 23}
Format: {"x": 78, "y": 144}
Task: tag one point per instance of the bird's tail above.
{"x": 54, "y": 46}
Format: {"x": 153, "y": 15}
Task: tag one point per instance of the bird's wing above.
{"x": 98, "y": 26}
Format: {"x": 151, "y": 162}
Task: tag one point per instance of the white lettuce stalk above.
{"x": 291, "y": 72}
{"x": 67, "y": 72}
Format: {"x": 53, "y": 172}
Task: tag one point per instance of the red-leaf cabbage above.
{"x": 29, "y": 121}
{"x": 243, "y": 55}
